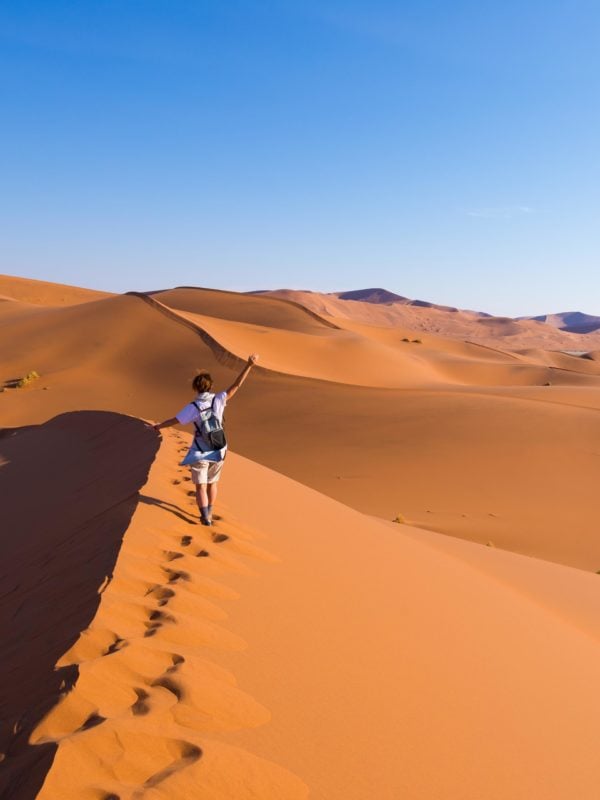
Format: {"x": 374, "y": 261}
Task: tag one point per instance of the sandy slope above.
{"x": 150, "y": 702}
{"x": 68, "y": 493}
{"x": 469, "y": 325}
{"x": 489, "y": 453}
{"x": 425, "y": 678}
{"x": 44, "y": 293}
{"x": 327, "y": 354}
{"x": 360, "y": 354}
{"x": 299, "y": 649}
{"x": 257, "y": 310}
{"x": 572, "y": 321}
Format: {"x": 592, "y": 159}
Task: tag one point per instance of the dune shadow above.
{"x": 181, "y": 513}
{"x": 69, "y": 488}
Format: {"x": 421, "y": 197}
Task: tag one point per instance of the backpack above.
{"x": 208, "y": 428}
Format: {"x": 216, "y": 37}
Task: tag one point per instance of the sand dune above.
{"x": 572, "y": 321}
{"x": 348, "y": 352}
{"x": 139, "y": 704}
{"x": 287, "y": 655}
{"x": 62, "y": 527}
{"x": 271, "y": 312}
{"x": 46, "y": 294}
{"x": 418, "y": 725}
{"x": 485, "y": 451}
{"x": 563, "y": 361}
{"x": 299, "y": 649}
{"x": 448, "y": 322}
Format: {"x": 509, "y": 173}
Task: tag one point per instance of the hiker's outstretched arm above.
{"x": 166, "y": 424}
{"x": 242, "y": 376}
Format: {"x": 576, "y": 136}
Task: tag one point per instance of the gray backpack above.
{"x": 209, "y": 429}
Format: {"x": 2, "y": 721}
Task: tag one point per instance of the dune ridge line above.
{"x": 148, "y": 702}
{"x": 294, "y": 303}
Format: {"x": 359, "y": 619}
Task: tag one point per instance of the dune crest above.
{"x": 43, "y": 293}
{"x": 146, "y": 701}
{"x": 61, "y": 535}
{"x": 302, "y": 649}
{"x": 464, "y": 439}
{"x": 374, "y": 308}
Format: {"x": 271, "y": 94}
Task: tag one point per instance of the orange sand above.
{"x": 300, "y": 648}
{"x": 455, "y": 324}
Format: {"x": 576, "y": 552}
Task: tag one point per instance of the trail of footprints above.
{"x": 162, "y": 594}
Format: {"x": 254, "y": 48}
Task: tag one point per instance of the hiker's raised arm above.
{"x": 242, "y": 376}
{"x": 166, "y": 424}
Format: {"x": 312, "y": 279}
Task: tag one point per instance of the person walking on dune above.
{"x": 209, "y": 446}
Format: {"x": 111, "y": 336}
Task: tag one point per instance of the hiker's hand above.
{"x": 253, "y": 359}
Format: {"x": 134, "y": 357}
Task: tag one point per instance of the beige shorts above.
{"x": 206, "y": 471}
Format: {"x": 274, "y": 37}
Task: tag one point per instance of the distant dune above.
{"x": 302, "y": 648}
{"x": 571, "y": 321}
{"x": 372, "y": 296}
{"x": 44, "y": 293}
{"x": 382, "y": 296}
{"x": 460, "y": 438}
{"x": 373, "y": 306}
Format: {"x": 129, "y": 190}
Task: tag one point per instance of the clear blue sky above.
{"x": 447, "y": 151}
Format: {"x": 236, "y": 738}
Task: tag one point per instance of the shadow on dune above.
{"x": 186, "y": 516}
{"x": 69, "y": 488}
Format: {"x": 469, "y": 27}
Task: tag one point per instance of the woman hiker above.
{"x": 207, "y": 452}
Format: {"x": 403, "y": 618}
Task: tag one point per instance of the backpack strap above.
{"x": 198, "y": 429}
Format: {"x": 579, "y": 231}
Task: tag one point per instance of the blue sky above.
{"x": 445, "y": 151}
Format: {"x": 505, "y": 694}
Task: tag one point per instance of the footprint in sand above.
{"x": 202, "y": 554}
{"x": 176, "y": 575}
{"x": 161, "y": 616}
{"x": 171, "y": 555}
{"x": 151, "y": 628}
{"x": 185, "y": 541}
{"x": 156, "y": 620}
{"x": 117, "y": 645}
{"x": 177, "y": 662}
{"x": 140, "y": 707}
{"x": 91, "y": 722}
{"x": 162, "y": 594}
{"x": 170, "y": 685}
{"x": 219, "y": 537}
{"x": 189, "y": 754}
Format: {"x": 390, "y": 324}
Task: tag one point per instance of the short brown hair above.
{"x": 202, "y": 382}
